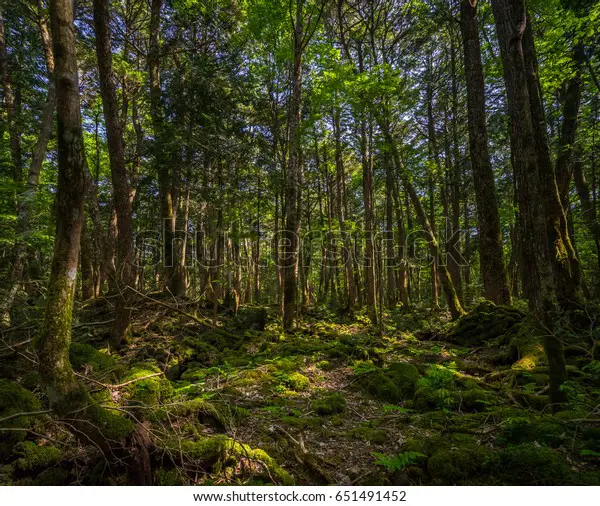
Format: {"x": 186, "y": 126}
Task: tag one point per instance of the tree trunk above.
{"x": 116, "y": 151}
{"x": 536, "y": 266}
{"x": 567, "y": 271}
{"x": 493, "y": 271}
{"x": 293, "y": 177}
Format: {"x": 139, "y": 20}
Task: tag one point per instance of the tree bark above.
{"x": 493, "y": 271}
{"x": 536, "y": 267}
{"x": 121, "y": 196}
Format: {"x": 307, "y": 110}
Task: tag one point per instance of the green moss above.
{"x": 475, "y": 399}
{"x": 531, "y": 464}
{"x": 404, "y": 376}
{"x": 544, "y": 430}
{"x": 297, "y": 382}
{"x": 370, "y": 434}
{"x": 53, "y": 477}
{"x": 168, "y": 477}
{"x": 14, "y": 399}
{"x": 380, "y": 386}
{"x": 330, "y": 404}
{"x": 487, "y": 323}
{"x": 457, "y": 464}
{"x": 425, "y": 399}
{"x": 324, "y": 365}
{"x": 34, "y": 458}
{"x": 82, "y": 355}
{"x": 221, "y": 454}
{"x": 149, "y": 391}
{"x": 112, "y": 423}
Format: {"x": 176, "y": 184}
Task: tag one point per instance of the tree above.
{"x": 493, "y": 271}
{"x": 536, "y": 266}
{"x": 121, "y": 192}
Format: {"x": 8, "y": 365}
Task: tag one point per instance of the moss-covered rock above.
{"x": 531, "y": 464}
{"x": 82, "y": 355}
{"x": 404, "y": 376}
{"x": 112, "y": 423}
{"x": 474, "y": 399}
{"x": 296, "y": 381}
{"x": 425, "y": 399}
{"x": 221, "y": 454}
{"x": 150, "y": 390}
{"x": 33, "y": 458}
{"x": 380, "y": 386}
{"x": 487, "y": 323}
{"x": 457, "y": 464}
{"x": 14, "y": 399}
{"x": 330, "y": 404}
{"x": 544, "y": 430}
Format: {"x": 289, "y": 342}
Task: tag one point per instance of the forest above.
{"x": 311, "y": 242}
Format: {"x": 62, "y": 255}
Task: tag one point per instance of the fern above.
{"x": 397, "y": 462}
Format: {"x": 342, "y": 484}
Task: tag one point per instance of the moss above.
{"x": 196, "y": 348}
{"x": 474, "y": 399}
{"x": 149, "y": 391}
{"x": 15, "y": 399}
{"x": 31, "y": 380}
{"x": 54, "y": 476}
{"x": 205, "y": 411}
{"x": 425, "y": 399}
{"x": 194, "y": 374}
{"x": 222, "y": 454}
{"x": 404, "y": 376}
{"x": 112, "y": 423}
{"x": 457, "y": 464}
{"x": 82, "y": 355}
{"x": 34, "y": 458}
{"x": 370, "y": 434}
{"x": 486, "y": 323}
{"x": 329, "y": 404}
{"x": 380, "y": 386}
{"x": 528, "y": 348}
{"x": 531, "y": 464}
{"x": 297, "y": 382}
{"x": 545, "y": 430}
{"x": 168, "y": 477}
{"x": 324, "y": 365}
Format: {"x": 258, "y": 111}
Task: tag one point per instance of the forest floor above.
{"x": 426, "y": 401}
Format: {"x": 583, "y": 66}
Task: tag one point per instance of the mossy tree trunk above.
{"x": 536, "y": 262}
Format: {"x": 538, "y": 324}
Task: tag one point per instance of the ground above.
{"x": 421, "y": 401}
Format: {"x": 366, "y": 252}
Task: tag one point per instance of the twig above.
{"x": 31, "y": 413}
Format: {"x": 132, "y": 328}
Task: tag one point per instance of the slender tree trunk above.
{"x": 121, "y": 196}
{"x": 349, "y": 287}
{"x": 293, "y": 178}
{"x": 493, "y": 271}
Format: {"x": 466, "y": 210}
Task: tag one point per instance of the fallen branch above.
{"x": 201, "y": 321}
